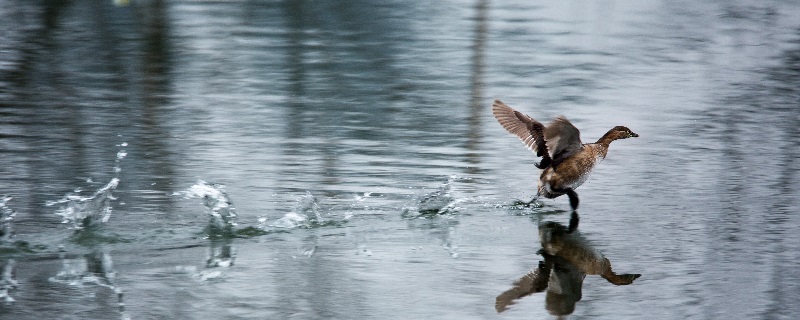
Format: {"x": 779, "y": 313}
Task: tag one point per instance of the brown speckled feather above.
{"x": 530, "y": 131}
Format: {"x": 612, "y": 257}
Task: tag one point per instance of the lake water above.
{"x": 327, "y": 127}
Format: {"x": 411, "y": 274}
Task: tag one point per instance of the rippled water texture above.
{"x": 339, "y": 159}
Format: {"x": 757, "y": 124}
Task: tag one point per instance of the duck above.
{"x": 566, "y": 161}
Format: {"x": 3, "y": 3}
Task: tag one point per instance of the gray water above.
{"x": 272, "y": 159}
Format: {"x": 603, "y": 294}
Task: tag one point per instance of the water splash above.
{"x": 220, "y": 208}
{"x": 7, "y": 281}
{"x": 200, "y": 275}
{"x": 95, "y": 268}
{"x": 121, "y": 154}
{"x": 83, "y": 212}
{"x": 289, "y": 220}
{"x": 6, "y": 219}
{"x": 221, "y": 254}
{"x": 362, "y": 249}
{"x": 363, "y": 196}
{"x": 437, "y": 202}
{"x": 308, "y": 253}
{"x": 306, "y": 214}
{"x": 450, "y": 245}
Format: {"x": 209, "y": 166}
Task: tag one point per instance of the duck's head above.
{"x": 622, "y": 132}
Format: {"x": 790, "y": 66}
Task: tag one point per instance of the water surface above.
{"x": 325, "y": 126}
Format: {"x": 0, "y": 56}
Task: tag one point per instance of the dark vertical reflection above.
{"x": 340, "y": 77}
{"x": 83, "y": 78}
{"x": 355, "y": 71}
{"x": 300, "y": 125}
{"x": 301, "y": 121}
{"x": 476, "y": 104}
{"x": 36, "y": 85}
{"x": 80, "y": 78}
{"x": 155, "y": 92}
{"x": 757, "y": 131}
{"x": 295, "y": 65}
{"x": 784, "y": 290}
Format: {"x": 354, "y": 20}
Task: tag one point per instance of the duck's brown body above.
{"x": 566, "y": 161}
{"x": 572, "y": 172}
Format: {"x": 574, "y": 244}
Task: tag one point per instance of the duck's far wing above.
{"x": 562, "y": 139}
{"x": 530, "y": 131}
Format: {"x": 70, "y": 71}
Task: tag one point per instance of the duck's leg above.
{"x": 573, "y": 199}
{"x": 573, "y": 196}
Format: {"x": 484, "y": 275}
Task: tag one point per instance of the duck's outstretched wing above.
{"x": 562, "y": 139}
{"x": 530, "y": 131}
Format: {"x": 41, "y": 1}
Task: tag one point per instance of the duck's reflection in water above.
{"x": 568, "y": 258}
